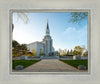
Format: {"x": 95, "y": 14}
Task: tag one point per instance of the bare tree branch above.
{"x": 23, "y": 16}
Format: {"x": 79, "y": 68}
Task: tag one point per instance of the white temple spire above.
{"x": 47, "y": 29}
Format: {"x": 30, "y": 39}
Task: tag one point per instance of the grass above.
{"x": 75, "y": 63}
{"x": 24, "y": 63}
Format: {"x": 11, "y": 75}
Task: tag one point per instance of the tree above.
{"x": 65, "y": 52}
{"x": 77, "y": 17}
{"x": 23, "y": 49}
{"x": 15, "y": 43}
{"x": 60, "y": 52}
{"x": 23, "y": 16}
{"x": 85, "y": 53}
{"x": 17, "y": 49}
{"x": 71, "y": 52}
{"x": 29, "y": 53}
{"x": 41, "y": 53}
{"x": 34, "y": 52}
{"x": 83, "y": 49}
{"x": 77, "y": 50}
{"x": 68, "y": 52}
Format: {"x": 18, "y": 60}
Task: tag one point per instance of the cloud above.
{"x": 73, "y": 33}
{"x": 74, "y": 36}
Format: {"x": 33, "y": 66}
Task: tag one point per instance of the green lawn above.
{"x": 75, "y": 63}
{"x": 24, "y": 63}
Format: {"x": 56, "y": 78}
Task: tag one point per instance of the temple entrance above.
{"x": 51, "y": 54}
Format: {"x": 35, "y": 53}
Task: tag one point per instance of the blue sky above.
{"x": 65, "y": 34}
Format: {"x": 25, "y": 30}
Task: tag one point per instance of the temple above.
{"x": 45, "y": 46}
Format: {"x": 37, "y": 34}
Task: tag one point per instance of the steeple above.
{"x": 47, "y": 20}
{"x": 47, "y": 29}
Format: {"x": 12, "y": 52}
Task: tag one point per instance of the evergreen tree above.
{"x": 65, "y": 52}
{"x": 14, "y": 44}
{"x": 71, "y": 52}
{"x": 68, "y": 52}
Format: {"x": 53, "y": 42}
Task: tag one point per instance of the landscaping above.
{"x": 24, "y": 63}
{"x": 76, "y": 63}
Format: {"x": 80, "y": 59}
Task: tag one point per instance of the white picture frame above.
{"x": 46, "y": 11}
{"x": 7, "y": 78}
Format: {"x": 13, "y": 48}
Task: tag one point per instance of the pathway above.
{"x": 50, "y": 65}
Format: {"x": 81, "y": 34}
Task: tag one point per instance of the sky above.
{"x": 65, "y": 34}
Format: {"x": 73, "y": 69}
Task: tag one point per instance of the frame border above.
{"x": 11, "y": 11}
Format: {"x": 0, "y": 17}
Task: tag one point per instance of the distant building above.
{"x": 45, "y": 46}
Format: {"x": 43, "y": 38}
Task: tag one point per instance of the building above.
{"x": 45, "y": 46}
